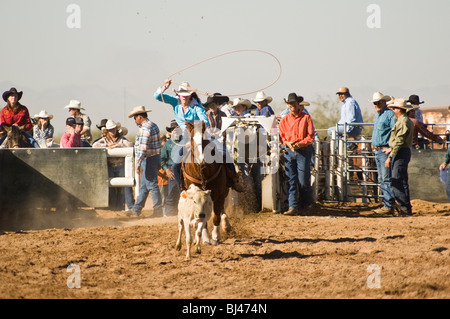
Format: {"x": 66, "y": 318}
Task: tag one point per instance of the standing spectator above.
{"x": 444, "y": 166}
{"x": 72, "y": 137}
{"x": 101, "y": 127}
{"x": 112, "y": 138}
{"x": 148, "y": 160}
{"x": 262, "y": 103}
{"x": 242, "y": 107}
{"x": 399, "y": 152}
{"x": 43, "y": 130}
{"x": 384, "y": 122}
{"x": 173, "y": 189}
{"x": 297, "y": 133}
{"x": 421, "y": 133}
{"x": 213, "y": 111}
{"x": 415, "y": 102}
{"x": 350, "y": 113}
{"x": 75, "y": 108}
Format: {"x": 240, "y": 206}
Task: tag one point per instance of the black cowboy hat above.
{"x": 414, "y": 100}
{"x": 102, "y": 124}
{"x": 6, "y": 94}
{"x": 173, "y": 125}
{"x": 216, "y": 98}
{"x": 292, "y": 97}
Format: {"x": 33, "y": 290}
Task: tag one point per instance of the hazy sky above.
{"x": 120, "y": 51}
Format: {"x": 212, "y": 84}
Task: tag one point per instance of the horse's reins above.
{"x": 201, "y": 182}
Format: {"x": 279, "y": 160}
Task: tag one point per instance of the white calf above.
{"x": 194, "y": 208}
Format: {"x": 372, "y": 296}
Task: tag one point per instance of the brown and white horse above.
{"x": 207, "y": 175}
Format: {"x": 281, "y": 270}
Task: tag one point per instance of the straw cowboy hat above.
{"x": 43, "y": 114}
{"x": 138, "y": 110}
{"x": 110, "y": 124}
{"x": 11, "y": 91}
{"x": 377, "y": 96}
{"x": 400, "y": 103}
{"x": 244, "y": 102}
{"x": 184, "y": 89}
{"x": 74, "y": 104}
{"x": 261, "y": 96}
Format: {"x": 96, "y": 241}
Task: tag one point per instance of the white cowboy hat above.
{"x": 110, "y": 124}
{"x": 43, "y": 114}
{"x": 261, "y": 96}
{"x": 184, "y": 89}
{"x": 74, "y": 104}
{"x": 400, "y": 103}
{"x": 377, "y": 96}
{"x": 244, "y": 102}
{"x": 138, "y": 110}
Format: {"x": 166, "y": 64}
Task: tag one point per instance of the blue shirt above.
{"x": 384, "y": 122}
{"x": 350, "y": 113}
{"x": 195, "y": 112}
{"x": 265, "y": 111}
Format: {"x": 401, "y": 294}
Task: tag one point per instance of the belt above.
{"x": 379, "y": 148}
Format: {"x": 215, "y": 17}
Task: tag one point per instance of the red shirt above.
{"x": 296, "y": 129}
{"x": 21, "y": 117}
{"x": 71, "y": 140}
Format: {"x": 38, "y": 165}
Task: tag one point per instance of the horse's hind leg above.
{"x": 216, "y": 228}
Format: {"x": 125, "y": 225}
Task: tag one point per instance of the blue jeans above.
{"x": 399, "y": 178}
{"x": 447, "y": 185}
{"x": 298, "y": 174}
{"x": 149, "y": 184}
{"x": 116, "y": 194}
{"x": 384, "y": 178}
{"x": 355, "y": 131}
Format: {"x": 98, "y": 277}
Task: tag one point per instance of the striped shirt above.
{"x": 148, "y": 141}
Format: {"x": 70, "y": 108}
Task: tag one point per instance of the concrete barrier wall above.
{"x": 53, "y": 176}
{"x": 423, "y": 173}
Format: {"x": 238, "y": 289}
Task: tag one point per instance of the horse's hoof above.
{"x": 178, "y": 247}
{"x": 207, "y": 242}
{"x": 215, "y": 242}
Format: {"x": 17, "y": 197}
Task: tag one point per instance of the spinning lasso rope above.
{"x": 228, "y": 53}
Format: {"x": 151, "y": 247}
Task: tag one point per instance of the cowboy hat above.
{"x": 74, "y": 104}
{"x": 102, "y": 124}
{"x": 184, "y": 89}
{"x": 11, "y": 91}
{"x": 244, "y": 102}
{"x": 216, "y": 98}
{"x": 173, "y": 125}
{"x": 43, "y": 114}
{"x": 343, "y": 90}
{"x": 110, "y": 124}
{"x": 304, "y": 103}
{"x": 377, "y": 96}
{"x": 261, "y": 96}
{"x": 400, "y": 103}
{"x": 138, "y": 110}
{"x": 414, "y": 100}
{"x": 292, "y": 97}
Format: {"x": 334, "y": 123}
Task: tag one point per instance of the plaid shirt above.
{"x": 148, "y": 141}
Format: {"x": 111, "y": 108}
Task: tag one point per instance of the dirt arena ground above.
{"x": 339, "y": 250}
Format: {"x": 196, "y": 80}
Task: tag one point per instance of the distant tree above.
{"x": 326, "y": 113}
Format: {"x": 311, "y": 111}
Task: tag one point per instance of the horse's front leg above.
{"x": 216, "y": 228}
